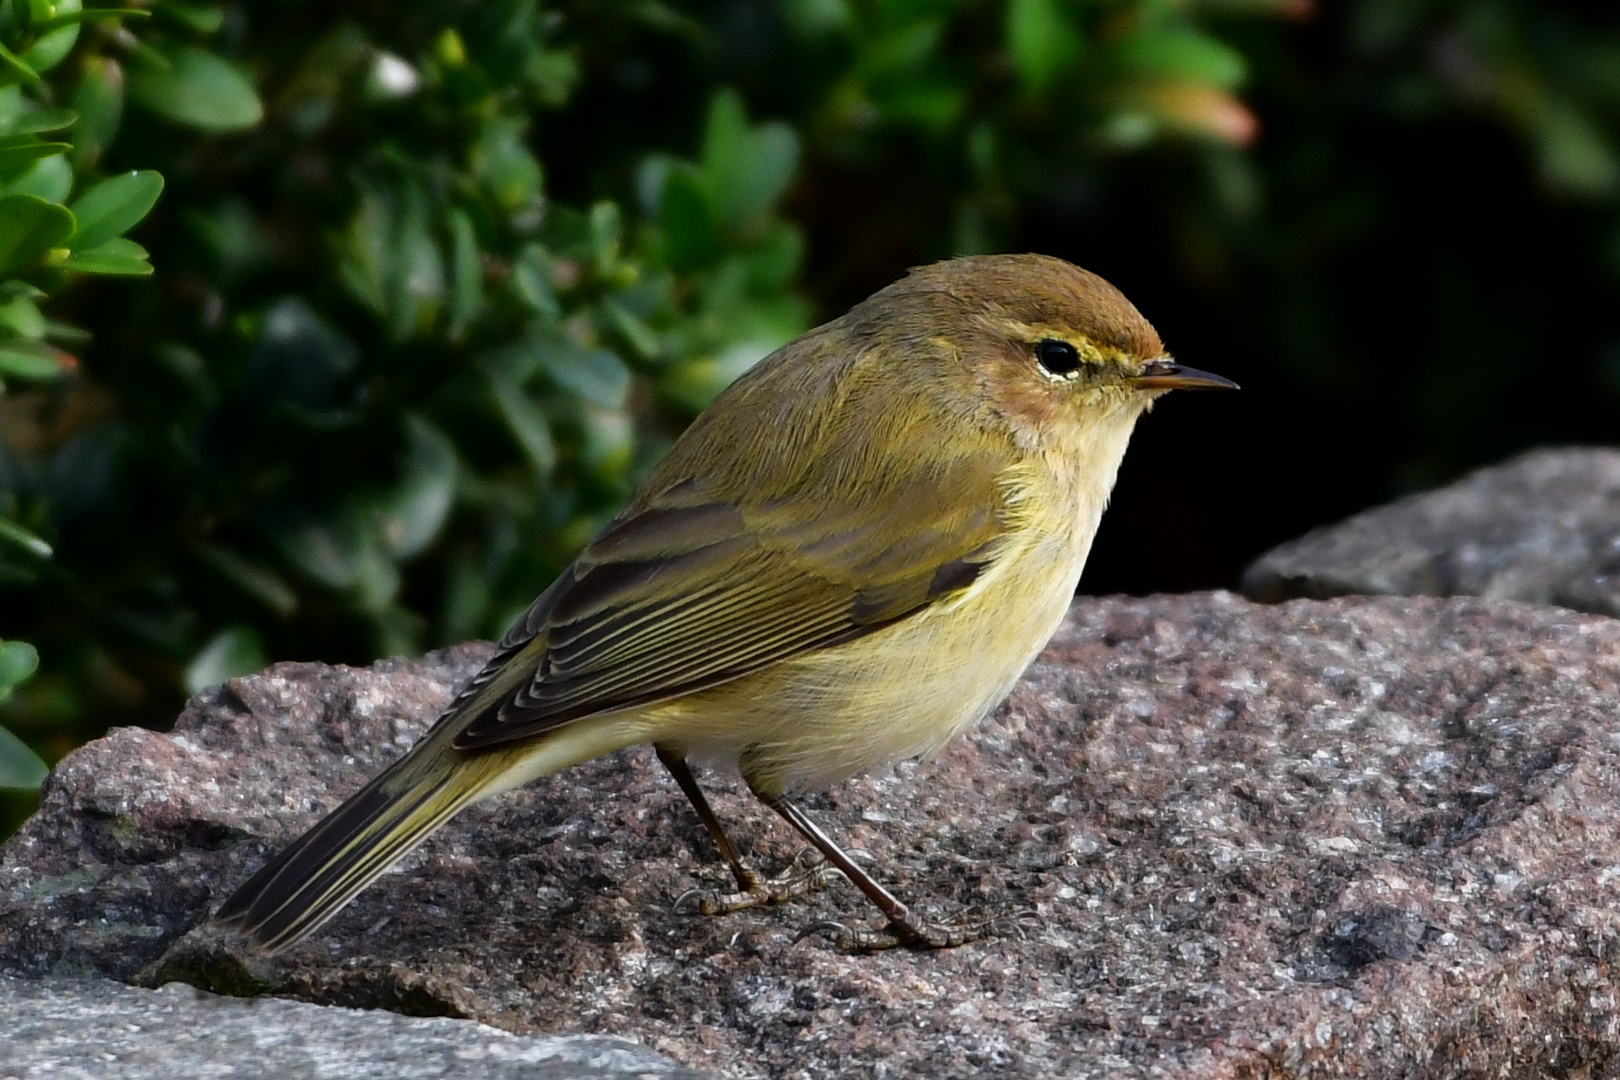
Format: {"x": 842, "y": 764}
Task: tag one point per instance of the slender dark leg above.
{"x": 747, "y": 880}
{"x": 904, "y": 928}
{"x": 752, "y": 890}
{"x": 886, "y": 901}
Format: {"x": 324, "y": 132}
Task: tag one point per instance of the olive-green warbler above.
{"x": 848, "y": 558}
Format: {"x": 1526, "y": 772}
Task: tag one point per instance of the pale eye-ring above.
{"x": 1057, "y": 357}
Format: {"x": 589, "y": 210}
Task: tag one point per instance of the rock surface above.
{"x": 102, "y": 1030}
{"x": 1363, "y": 837}
{"x": 1543, "y": 527}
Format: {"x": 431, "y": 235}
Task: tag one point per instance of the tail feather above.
{"x": 300, "y": 889}
{"x": 308, "y": 883}
{"x": 316, "y": 875}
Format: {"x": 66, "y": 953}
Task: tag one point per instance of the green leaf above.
{"x": 652, "y": 173}
{"x": 531, "y": 280}
{"x": 52, "y": 47}
{"x": 16, "y": 535}
{"x": 20, "y": 151}
{"x": 746, "y": 169}
{"x": 99, "y": 99}
{"x": 14, "y": 69}
{"x": 1042, "y": 42}
{"x": 502, "y": 160}
{"x": 904, "y": 47}
{"x": 76, "y": 18}
{"x": 30, "y": 227}
{"x": 636, "y": 333}
{"x": 49, "y": 178}
{"x": 691, "y": 232}
{"x": 113, "y": 207}
{"x": 22, "y": 317}
{"x": 418, "y": 508}
{"x": 199, "y": 89}
{"x": 526, "y": 422}
{"x": 1175, "y": 55}
{"x": 254, "y": 578}
{"x": 609, "y": 444}
{"x": 118, "y": 256}
{"x": 932, "y": 104}
{"x": 774, "y": 262}
{"x": 236, "y": 650}
{"x": 18, "y": 661}
{"x": 16, "y": 287}
{"x": 596, "y": 375}
{"x": 376, "y": 575}
{"x": 418, "y": 292}
{"x": 205, "y": 19}
{"x": 33, "y": 360}
{"x": 32, "y": 123}
{"x": 466, "y": 270}
{"x": 816, "y": 18}
{"x": 1575, "y": 154}
{"x": 318, "y": 551}
{"x": 607, "y": 232}
{"x": 20, "y": 768}
{"x": 364, "y": 249}
{"x": 391, "y": 261}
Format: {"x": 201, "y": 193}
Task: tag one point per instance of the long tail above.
{"x": 309, "y": 882}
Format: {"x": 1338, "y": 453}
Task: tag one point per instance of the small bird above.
{"x": 845, "y": 561}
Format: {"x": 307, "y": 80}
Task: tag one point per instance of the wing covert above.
{"x": 683, "y": 592}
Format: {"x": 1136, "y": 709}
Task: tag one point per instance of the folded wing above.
{"x": 687, "y": 592}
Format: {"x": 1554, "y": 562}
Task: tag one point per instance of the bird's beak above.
{"x": 1169, "y": 375}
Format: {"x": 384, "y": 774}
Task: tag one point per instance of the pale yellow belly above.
{"x": 814, "y": 720}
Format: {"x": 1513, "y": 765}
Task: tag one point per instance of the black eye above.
{"x": 1058, "y": 357}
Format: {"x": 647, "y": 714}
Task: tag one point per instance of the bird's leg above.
{"x": 903, "y": 928}
{"x": 747, "y": 879}
{"x": 752, "y": 890}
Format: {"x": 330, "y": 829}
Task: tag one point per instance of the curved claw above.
{"x": 808, "y": 858}
{"x": 855, "y": 939}
{"x": 809, "y": 876}
{"x": 695, "y": 896}
{"x": 916, "y": 933}
{"x": 832, "y": 926}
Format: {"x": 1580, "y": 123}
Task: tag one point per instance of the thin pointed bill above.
{"x": 1169, "y": 375}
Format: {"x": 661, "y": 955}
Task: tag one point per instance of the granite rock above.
{"x": 1368, "y": 837}
{"x": 178, "y": 1031}
{"x": 1543, "y": 527}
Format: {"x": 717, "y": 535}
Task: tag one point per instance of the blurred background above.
{"x": 331, "y": 330}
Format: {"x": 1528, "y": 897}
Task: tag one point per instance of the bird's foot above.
{"x": 809, "y": 873}
{"x": 914, "y": 932}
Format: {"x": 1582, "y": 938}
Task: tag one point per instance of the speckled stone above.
{"x": 1367, "y": 837}
{"x": 1543, "y": 527}
{"x": 96, "y": 1029}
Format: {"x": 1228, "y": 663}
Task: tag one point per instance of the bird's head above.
{"x": 1049, "y": 345}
